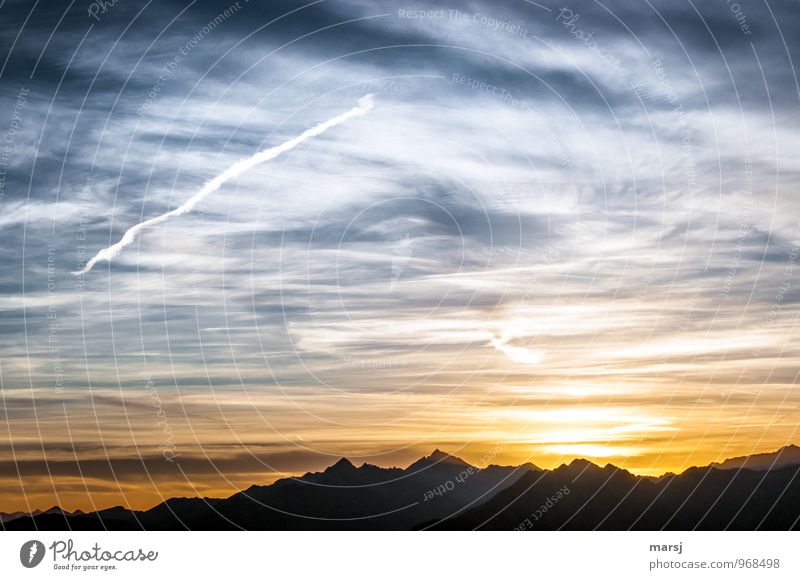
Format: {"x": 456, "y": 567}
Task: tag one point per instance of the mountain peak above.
{"x": 54, "y": 510}
{"x": 341, "y": 465}
{"x": 578, "y": 464}
{"x": 437, "y": 458}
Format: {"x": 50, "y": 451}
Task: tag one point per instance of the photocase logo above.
{"x": 401, "y": 255}
{"x": 31, "y": 553}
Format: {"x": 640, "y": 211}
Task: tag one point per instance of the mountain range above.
{"x": 441, "y": 491}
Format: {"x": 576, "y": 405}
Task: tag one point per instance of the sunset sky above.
{"x": 553, "y": 237}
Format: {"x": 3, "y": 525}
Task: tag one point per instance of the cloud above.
{"x": 518, "y": 354}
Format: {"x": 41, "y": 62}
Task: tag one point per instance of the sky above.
{"x": 564, "y": 230}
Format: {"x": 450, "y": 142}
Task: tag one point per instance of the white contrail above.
{"x": 365, "y": 104}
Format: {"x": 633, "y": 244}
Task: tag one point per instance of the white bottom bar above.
{"x": 402, "y": 555}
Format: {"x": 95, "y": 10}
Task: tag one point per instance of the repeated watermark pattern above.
{"x": 740, "y": 16}
{"x": 169, "y": 446}
{"x": 7, "y": 144}
{"x": 168, "y": 70}
{"x": 493, "y": 24}
{"x": 100, "y": 8}
{"x": 548, "y": 505}
{"x": 675, "y": 235}
{"x": 466, "y": 473}
{"x": 569, "y": 18}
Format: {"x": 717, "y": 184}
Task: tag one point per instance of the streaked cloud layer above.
{"x": 560, "y": 236}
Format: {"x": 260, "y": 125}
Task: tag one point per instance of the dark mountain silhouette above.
{"x": 341, "y": 497}
{"x": 584, "y": 496}
{"x": 7, "y": 517}
{"x": 444, "y": 492}
{"x": 53, "y": 511}
{"x": 783, "y": 457}
{"x": 366, "y": 497}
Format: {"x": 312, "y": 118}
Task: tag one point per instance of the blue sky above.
{"x": 568, "y": 228}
